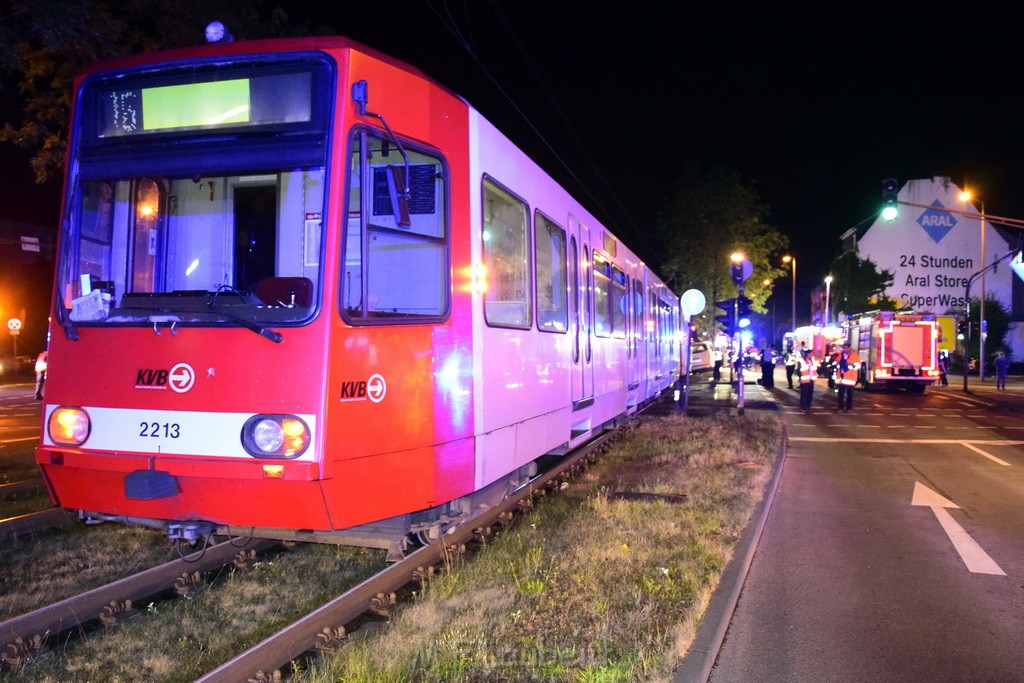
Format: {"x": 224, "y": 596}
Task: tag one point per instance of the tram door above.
{"x": 581, "y": 313}
{"x": 255, "y": 234}
{"x": 634, "y": 333}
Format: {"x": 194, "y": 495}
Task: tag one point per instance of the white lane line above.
{"x": 987, "y": 455}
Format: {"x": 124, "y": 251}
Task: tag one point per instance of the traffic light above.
{"x": 890, "y": 203}
{"x": 743, "y": 311}
{"x": 736, "y": 270}
{"x": 728, "y": 320}
{"x": 961, "y": 329}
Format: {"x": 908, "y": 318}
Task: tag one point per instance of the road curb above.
{"x": 699, "y": 660}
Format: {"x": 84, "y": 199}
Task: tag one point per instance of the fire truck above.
{"x": 817, "y": 339}
{"x": 897, "y": 350}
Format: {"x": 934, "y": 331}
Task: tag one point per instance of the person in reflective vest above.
{"x": 792, "y": 360}
{"x": 847, "y": 371}
{"x": 808, "y": 369}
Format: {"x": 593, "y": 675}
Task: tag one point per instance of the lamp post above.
{"x": 791, "y": 260}
{"x": 828, "y": 288}
{"x": 965, "y": 196}
{"x": 739, "y": 270}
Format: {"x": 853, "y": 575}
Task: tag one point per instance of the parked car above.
{"x": 702, "y": 356}
{"x": 11, "y": 366}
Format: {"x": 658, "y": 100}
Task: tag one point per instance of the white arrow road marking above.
{"x": 976, "y": 559}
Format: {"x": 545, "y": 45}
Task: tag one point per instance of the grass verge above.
{"x": 182, "y": 638}
{"x": 595, "y": 584}
{"x": 54, "y": 565}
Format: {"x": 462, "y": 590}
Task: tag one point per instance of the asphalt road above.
{"x": 19, "y": 431}
{"x": 863, "y": 572}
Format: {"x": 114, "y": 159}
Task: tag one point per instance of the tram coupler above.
{"x": 190, "y": 532}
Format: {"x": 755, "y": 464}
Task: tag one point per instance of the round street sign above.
{"x": 692, "y": 302}
{"x": 14, "y": 324}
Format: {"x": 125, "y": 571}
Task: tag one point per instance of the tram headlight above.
{"x": 275, "y": 436}
{"x": 69, "y": 426}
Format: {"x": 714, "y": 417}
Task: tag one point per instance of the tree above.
{"x": 710, "y": 216}
{"x": 997, "y": 323}
{"x": 859, "y": 286}
{"x": 44, "y": 44}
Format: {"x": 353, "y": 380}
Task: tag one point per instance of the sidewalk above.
{"x": 707, "y": 396}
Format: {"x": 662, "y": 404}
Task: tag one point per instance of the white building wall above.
{"x": 932, "y": 253}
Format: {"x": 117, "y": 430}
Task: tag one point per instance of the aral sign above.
{"x": 932, "y": 252}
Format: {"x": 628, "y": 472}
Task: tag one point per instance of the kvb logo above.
{"x": 180, "y": 378}
{"x": 376, "y": 388}
{"x": 373, "y": 389}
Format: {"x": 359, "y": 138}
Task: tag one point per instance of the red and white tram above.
{"x": 306, "y": 292}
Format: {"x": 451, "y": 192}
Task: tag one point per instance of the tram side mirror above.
{"x": 359, "y": 96}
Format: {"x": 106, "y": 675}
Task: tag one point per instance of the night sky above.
{"x": 813, "y": 108}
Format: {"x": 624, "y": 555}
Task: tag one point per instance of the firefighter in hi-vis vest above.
{"x": 808, "y": 369}
{"x": 847, "y": 370}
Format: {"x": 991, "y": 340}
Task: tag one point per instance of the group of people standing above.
{"x": 841, "y": 365}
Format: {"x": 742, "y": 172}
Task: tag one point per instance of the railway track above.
{"x": 24, "y": 637}
{"x": 322, "y": 628}
{"x": 31, "y": 523}
{"x": 28, "y": 487}
{"x": 19, "y": 526}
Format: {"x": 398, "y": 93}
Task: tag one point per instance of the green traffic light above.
{"x": 889, "y": 213}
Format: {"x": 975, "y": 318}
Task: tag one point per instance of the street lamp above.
{"x": 965, "y": 197}
{"x": 828, "y": 288}
{"x": 792, "y": 261}
{"x": 739, "y": 270}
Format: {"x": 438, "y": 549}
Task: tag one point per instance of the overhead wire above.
{"x": 451, "y": 24}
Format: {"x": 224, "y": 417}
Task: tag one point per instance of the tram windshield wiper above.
{"x": 70, "y": 330}
{"x": 273, "y": 336}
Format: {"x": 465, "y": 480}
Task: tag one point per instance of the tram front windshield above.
{"x": 196, "y": 195}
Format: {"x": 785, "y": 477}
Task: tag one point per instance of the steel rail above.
{"x": 14, "y": 528}
{"x": 299, "y": 637}
{"x": 18, "y": 488}
{"x": 77, "y": 610}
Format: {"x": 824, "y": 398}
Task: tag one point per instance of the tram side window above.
{"x": 396, "y": 246}
{"x": 115, "y": 259}
{"x": 146, "y": 236}
{"x": 609, "y": 299}
{"x": 668, "y": 325}
{"x": 94, "y": 251}
{"x": 549, "y": 249}
{"x": 617, "y": 302}
{"x": 672, "y": 322}
{"x": 638, "y": 312}
{"x": 507, "y": 301}
{"x": 602, "y": 296}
